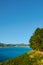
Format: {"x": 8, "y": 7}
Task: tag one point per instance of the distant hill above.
{"x": 3, "y": 44}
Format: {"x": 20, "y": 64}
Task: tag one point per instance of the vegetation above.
{"x": 36, "y": 40}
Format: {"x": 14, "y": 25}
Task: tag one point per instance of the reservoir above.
{"x": 12, "y": 52}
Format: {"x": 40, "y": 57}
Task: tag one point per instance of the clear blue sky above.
{"x": 19, "y": 19}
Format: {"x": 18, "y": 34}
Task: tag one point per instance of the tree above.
{"x": 36, "y": 40}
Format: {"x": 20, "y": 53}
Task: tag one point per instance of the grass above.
{"x": 30, "y": 58}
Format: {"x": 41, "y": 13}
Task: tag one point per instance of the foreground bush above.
{"x": 36, "y": 40}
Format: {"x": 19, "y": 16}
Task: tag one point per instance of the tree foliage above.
{"x": 36, "y": 40}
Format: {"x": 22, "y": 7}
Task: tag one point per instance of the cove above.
{"x": 12, "y": 52}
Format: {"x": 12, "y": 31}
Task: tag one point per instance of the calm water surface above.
{"x": 7, "y": 53}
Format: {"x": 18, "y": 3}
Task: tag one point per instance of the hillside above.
{"x": 30, "y": 58}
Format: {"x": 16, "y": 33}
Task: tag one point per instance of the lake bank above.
{"x": 15, "y": 46}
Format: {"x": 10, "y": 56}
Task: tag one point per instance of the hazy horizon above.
{"x": 19, "y": 19}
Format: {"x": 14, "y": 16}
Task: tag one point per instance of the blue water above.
{"x": 7, "y": 53}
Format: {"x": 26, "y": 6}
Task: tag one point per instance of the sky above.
{"x": 19, "y": 19}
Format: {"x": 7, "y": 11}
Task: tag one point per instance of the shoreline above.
{"x": 16, "y": 46}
